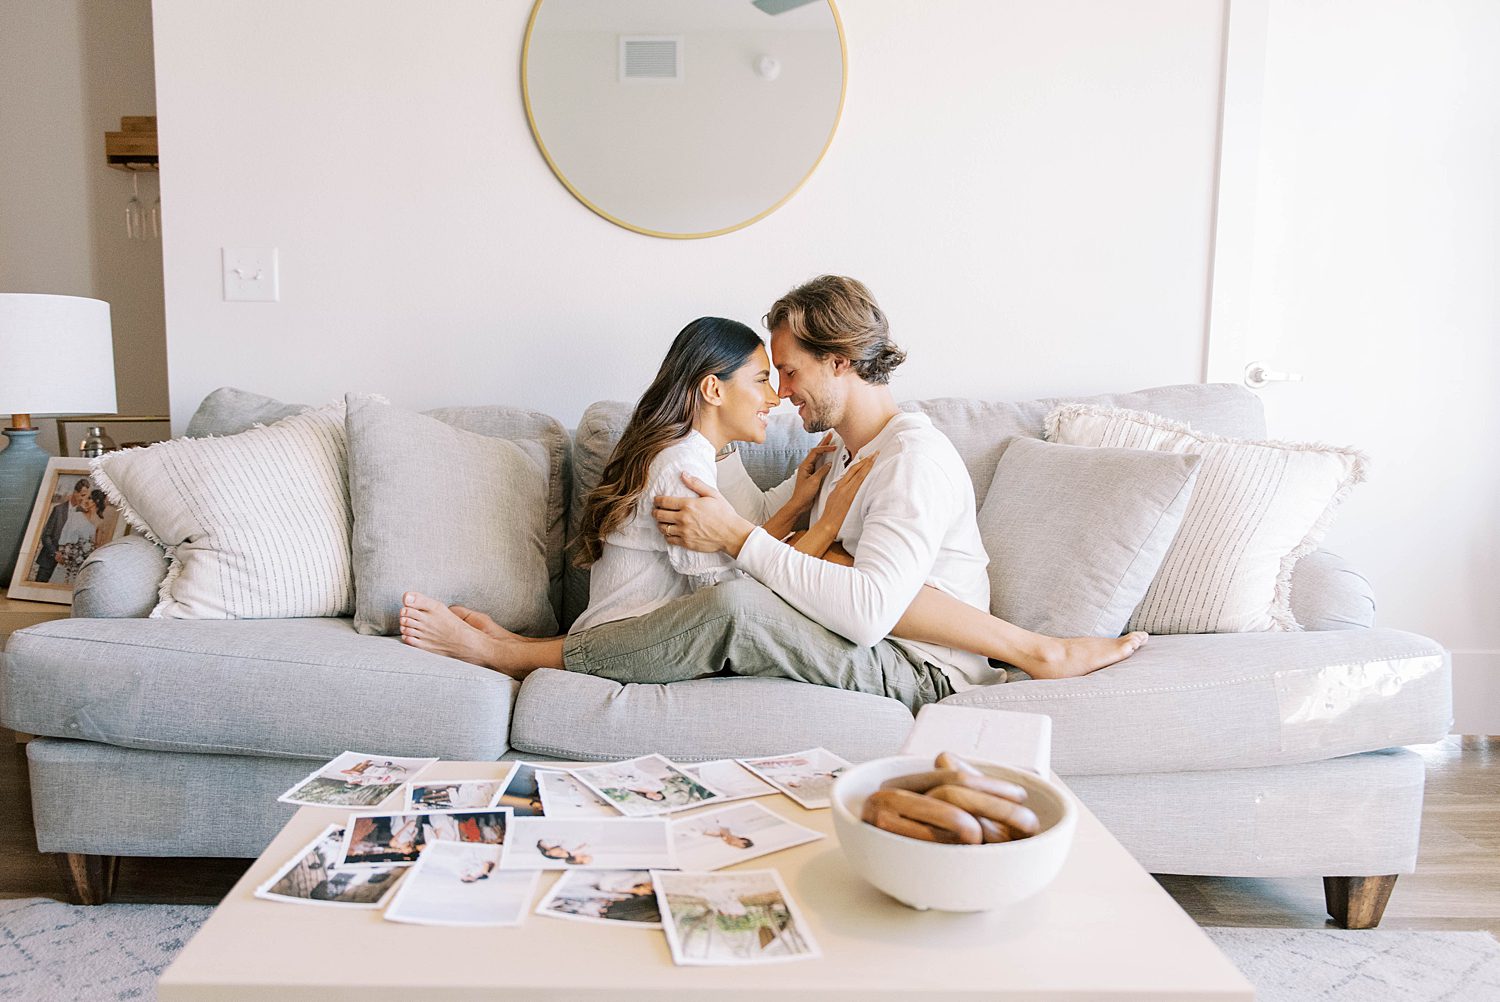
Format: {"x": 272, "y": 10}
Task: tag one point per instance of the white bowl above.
{"x": 952, "y": 878}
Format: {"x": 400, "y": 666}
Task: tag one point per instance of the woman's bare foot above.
{"x": 429, "y": 625}
{"x": 1074, "y": 656}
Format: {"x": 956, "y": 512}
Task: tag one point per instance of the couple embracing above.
{"x": 697, "y": 572}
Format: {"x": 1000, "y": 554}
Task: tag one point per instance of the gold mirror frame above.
{"x": 536, "y": 135}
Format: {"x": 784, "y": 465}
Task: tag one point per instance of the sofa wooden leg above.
{"x": 1357, "y": 902}
{"x": 90, "y": 880}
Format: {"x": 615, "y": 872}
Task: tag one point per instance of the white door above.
{"x": 1358, "y": 246}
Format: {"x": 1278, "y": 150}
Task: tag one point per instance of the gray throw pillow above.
{"x": 1075, "y": 535}
{"x": 458, "y": 516}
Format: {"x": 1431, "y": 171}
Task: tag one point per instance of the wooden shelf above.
{"x": 133, "y": 148}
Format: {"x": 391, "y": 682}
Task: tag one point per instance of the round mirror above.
{"x": 683, "y": 118}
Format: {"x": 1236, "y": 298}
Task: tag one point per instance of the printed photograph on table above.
{"x": 355, "y": 779}
{"x": 731, "y": 779}
{"x": 455, "y": 883}
{"x": 521, "y": 793}
{"x": 70, "y": 519}
{"x": 313, "y": 877}
{"x": 724, "y": 836}
{"x": 451, "y": 794}
{"x": 398, "y": 839}
{"x": 731, "y": 918}
{"x": 647, "y": 785}
{"x": 565, "y": 797}
{"x": 807, "y": 776}
{"x": 588, "y": 843}
{"x": 613, "y": 897}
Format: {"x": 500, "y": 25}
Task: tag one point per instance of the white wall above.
{"x": 1027, "y": 188}
{"x": 69, "y": 69}
{"x": 1376, "y": 258}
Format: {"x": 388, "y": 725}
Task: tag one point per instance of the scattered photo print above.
{"x": 355, "y": 779}
{"x": 730, "y": 778}
{"x": 807, "y": 777}
{"x": 615, "y": 897}
{"x": 565, "y": 797}
{"x": 645, "y": 786}
{"x": 588, "y": 843}
{"x": 457, "y": 883}
{"x": 398, "y": 839}
{"x": 731, "y": 918}
{"x": 312, "y": 877}
{"x": 453, "y": 794}
{"x": 521, "y": 793}
{"x": 724, "y": 836}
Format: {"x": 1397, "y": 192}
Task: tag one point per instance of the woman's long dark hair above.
{"x": 707, "y": 346}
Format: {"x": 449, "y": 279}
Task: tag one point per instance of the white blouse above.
{"x": 638, "y": 572}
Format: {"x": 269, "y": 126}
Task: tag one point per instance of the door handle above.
{"x": 1258, "y": 374}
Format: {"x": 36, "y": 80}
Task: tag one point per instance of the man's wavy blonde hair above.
{"x": 835, "y": 315}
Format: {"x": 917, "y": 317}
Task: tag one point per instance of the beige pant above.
{"x": 741, "y": 627}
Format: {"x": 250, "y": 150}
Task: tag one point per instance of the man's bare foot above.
{"x": 485, "y": 623}
{"x": 1074, "y": 656}
{"x": 429, "y": 625}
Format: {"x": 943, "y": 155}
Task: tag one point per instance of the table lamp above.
{"x": 56, "y": 357}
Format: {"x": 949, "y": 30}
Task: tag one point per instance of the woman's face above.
{"x": 749, "y": 399}
{"x": 86, "y": 504}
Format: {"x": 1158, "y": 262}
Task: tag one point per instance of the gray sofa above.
{"x": 1266, "y": 754}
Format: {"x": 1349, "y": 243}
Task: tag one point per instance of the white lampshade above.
{"x": 56, "y": 355}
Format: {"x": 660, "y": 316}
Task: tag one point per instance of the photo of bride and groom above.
{"x": 72, "y": 519}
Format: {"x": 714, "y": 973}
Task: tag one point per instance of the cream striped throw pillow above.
{"x": 256, "y": 525}
{"x": 1258, "y": 507}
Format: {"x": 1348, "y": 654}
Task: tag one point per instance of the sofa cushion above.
{"x": 445, "y": 511}
{"x": 1075, "y": 535}
{"x": 978, "y": 429}
{"x": 1327, "y": 594}
{"x": 287, "y": 688}
{"x": 1239, "y": 701}
{"x": 567, "y": 715}
{"x": 1258, "y": 508}
{"x": 255, "y": 525}
{"x": 228, "y": 411}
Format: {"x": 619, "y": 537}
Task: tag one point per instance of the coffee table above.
{"x": 1103, "y": 930}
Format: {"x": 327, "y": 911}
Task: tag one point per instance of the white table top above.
{"x": 1103, "y": 930}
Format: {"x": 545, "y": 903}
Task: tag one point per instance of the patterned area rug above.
{"x": 52, "y": 952}
{"x": 1331, "y": 965}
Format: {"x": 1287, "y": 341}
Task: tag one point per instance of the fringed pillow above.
{"x": 1256, "y": 509}
{"x": 256, "y": 525}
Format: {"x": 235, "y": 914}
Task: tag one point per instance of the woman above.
{"x": 79, "y": 536}
{"x": 713, "y": 389}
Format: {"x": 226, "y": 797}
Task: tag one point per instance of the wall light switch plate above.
{"x": 250, "y": 275}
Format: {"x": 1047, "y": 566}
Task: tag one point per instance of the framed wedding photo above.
{"x": 128, "y": 431}
{"x": 71, "y": 519}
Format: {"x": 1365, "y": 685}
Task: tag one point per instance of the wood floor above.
{"x": 1456, "y": 886}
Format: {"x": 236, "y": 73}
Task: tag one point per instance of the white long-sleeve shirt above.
{"x": 912, "y": 523}
{"x": 638, "y": 571}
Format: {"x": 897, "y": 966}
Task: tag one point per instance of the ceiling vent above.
{"x": 650, "y": 57}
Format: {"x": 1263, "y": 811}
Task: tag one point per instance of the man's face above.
{"x": 806, "y": 380}
{"x": 76, "y": 498}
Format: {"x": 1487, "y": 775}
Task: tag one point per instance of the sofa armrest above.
{"x": 1329, "y": 594}
{"x": 120, "y": 580}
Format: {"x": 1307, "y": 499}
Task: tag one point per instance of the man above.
{"x": 46, "y": 561}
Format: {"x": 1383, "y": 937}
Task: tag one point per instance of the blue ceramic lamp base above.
{"x": 23, "y": 463}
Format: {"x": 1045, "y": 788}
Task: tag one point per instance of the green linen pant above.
{"x": 741, "y": 627}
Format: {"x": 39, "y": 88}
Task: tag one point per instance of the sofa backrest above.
{"x": 977, "y": 429}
